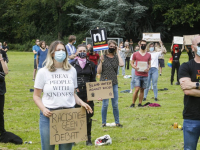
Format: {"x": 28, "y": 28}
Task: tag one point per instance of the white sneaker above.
{"x": 131, "y": 91}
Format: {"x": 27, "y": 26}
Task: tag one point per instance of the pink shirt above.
{"x": 138, "y": 57}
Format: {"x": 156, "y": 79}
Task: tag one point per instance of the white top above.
{"x": 58, "y": 87}
{"x": 154, "y": 58}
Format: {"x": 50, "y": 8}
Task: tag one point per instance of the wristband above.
{"x": 197, "y": 85}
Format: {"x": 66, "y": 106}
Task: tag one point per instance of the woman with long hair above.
{"x": 41, "y": 54}
{"x": 57, "y": 68}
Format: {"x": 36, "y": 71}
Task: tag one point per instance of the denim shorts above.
{"x": 140, "y": 81}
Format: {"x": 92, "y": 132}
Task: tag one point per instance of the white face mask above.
{"x": 60, "y": 56}
{"x": 198, "y": 50}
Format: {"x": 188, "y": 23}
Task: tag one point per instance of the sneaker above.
{"x": 103, "y": 125}
{"x": 177, "y": 83}
{"x": 160, "y": 74}
{"x": 132, "y": 105}
{"x": 33, "y": 79}
{"x": 131, "y": 91}
{"x": 144, "y": 99}
{"x": 119, "y": 125}
{"x": 140, "y": 105}
{"x": 156, "y": 99}
{"x": 171, "y": 83}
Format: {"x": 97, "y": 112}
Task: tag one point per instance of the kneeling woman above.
{"x": 57, "y": 68}
{"x": 85, "y": 73}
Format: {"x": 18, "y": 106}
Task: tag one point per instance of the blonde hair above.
{"x": 50, "y": 60}
{"x": 111, "y": 42}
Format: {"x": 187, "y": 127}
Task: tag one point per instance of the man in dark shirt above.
{"x": 191, "y": 54}
{"x": 189, "y": 77}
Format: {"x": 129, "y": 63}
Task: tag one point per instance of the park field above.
{"x": 143, "y": 128}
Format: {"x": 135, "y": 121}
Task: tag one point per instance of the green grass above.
{"x": 144, "y": 128}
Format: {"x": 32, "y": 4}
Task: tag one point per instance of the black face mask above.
{"x": 176, "y": 48}
{"x": 91, "y": 51}
{"x": 82, "y": 55}
{"x": 143, "y": 47}
{"x": 111, "y": 50}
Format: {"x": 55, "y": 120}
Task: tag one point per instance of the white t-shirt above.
{"x": 58, "y": 87}
{"x": 154, "y": 59}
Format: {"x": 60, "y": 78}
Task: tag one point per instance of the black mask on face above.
{"x": 143, "y": 47}
{"x": 176, "y": 48}
{"x": 82, "y": 55}
{"x": 111, "y": 50}
{"x": 91, "y": 51}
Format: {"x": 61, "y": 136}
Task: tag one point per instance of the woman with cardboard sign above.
{"x": 108, "y": 67}
{"x": 85, "y": 73}
{"x": 58, "y": 81}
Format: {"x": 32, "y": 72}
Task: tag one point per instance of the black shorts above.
{"x": 35, "y": 65}
{"x": 161, "y": 63}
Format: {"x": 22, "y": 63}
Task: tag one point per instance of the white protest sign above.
{"x": 142, "y": 65}
{"x": 178, "y": 40}
{"x": 151, "y": 37}
{"x": 68, "y": 126}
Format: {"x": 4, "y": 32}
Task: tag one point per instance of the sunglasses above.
{"x": 143, "y": 44}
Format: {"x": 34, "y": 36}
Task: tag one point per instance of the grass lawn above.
{"x": 143, "y": 128}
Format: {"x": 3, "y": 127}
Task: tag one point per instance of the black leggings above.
{"x": 127, "y": 60}
{"x": 2, "y": 101}
{"x": 175, "y": 65}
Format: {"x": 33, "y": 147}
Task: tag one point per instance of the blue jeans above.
{"x": 45, "y": 135}
{"x": 114, "y": 105}
{"x": 191, "y": 133}
{"x": 132, "y": 78}
{"x": 152, "y": 75}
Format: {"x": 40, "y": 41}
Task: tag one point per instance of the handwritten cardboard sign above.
{"x": 151, "y": 37}
{"x": 178, "y": 40}
{"x": 99, "y": 39}
{"x": 101, "y": 89}
{"x": 67, "y": 126}
{"x": 188, "y": 39}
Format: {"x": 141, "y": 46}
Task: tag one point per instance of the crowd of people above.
{"x": 80, "y": 65}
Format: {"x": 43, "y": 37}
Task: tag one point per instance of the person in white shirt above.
{"x": 153, "y": 72}
{"x": 57, "y": 80}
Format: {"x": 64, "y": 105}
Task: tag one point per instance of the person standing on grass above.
{"x": 128, "y": 55}
{"x": 137, "y": 48}
{"x": 141, "y": 76}
{"x": 56, "y": 65}
{"x": 35, "y": 49}
{"x": 5, "y": 48}
{"x": 71, "y": 50}
{"x": 153, "y": 71}
{"x": 3, "y": 73}
{"x": 41, "y": 55}
{"x": 176, "y": 53}
{"x": 161, "y": 60}
{"x": 189, "y": 78}
{"x": 94, "y": 57}
{"x": 189, "y": 51}
{"x": 108, "y": 67}
{"x": 86, "y": 72}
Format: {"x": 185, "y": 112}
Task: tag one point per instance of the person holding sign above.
{"x": 71, "y": 50}
{"x": 108, "y": 67}
{"x": 85, "y": 73}
{"x": 58, "y": 81}
{"x": 153, "y": 72}
{"x": 142, "y": 66}
{"x": 189, "y": 51}
{"x": 176, "y": 53}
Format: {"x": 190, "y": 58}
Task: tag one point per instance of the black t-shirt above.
{"x": 4, "y": 47}
{"x": 191, "y": 54}
{"x": 176, "y": 56}
{"x": 191, "y": 69}
{"x": 2, "y": 81}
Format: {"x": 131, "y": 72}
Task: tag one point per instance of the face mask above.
{"x": 60, "y": 56}
{"x": 137, "y": 50}
{"x": 151, "y": 49}
{"x": 75, "y": 42}
{"x": 198, "y": 50}
{"x": 143, "y": 47}
{"x": 111, "y": 50}
{"x": 121, "y": 46}
{"x": 91, "y": 51}
{"x": 82, "y": 55}
{"x": 176, "y": 48}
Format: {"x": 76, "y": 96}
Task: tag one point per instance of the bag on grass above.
{"x": 103, "y": 140}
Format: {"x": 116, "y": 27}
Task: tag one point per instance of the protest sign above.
{"x": 142, "y": 65}
{"x": 188, "y": 39}
{"x": 101, "y": 89}
{"x": 99, "y": 39}
{"x": 178, "y": 40}
{"x": 67, "y": 126}
{"x": 151, "y": 37}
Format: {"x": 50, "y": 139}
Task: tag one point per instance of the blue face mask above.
{"x": 151, "y": 49}
{"x": 60, "y": 56}
{"x": 198, "y": 50}
{"x": 75, "y": 42}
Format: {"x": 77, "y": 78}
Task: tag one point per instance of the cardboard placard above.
{"x": 68, "y": 125}
{"x": 151, "y": 37}
{"x": 178, "y": 40}
{"x": 99, "y": 39}
{"x": 188, "y": 39}
{"x": 101, "y": 89}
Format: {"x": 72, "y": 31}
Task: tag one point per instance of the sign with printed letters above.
{"x": 178, "y": 40}
{"x": 68, "y": 125}
{"x": 99, "y": 39}
{"x": 151, "y": 37}
{"x": 101, "y": 89}
{"x": 188, "y": 39}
